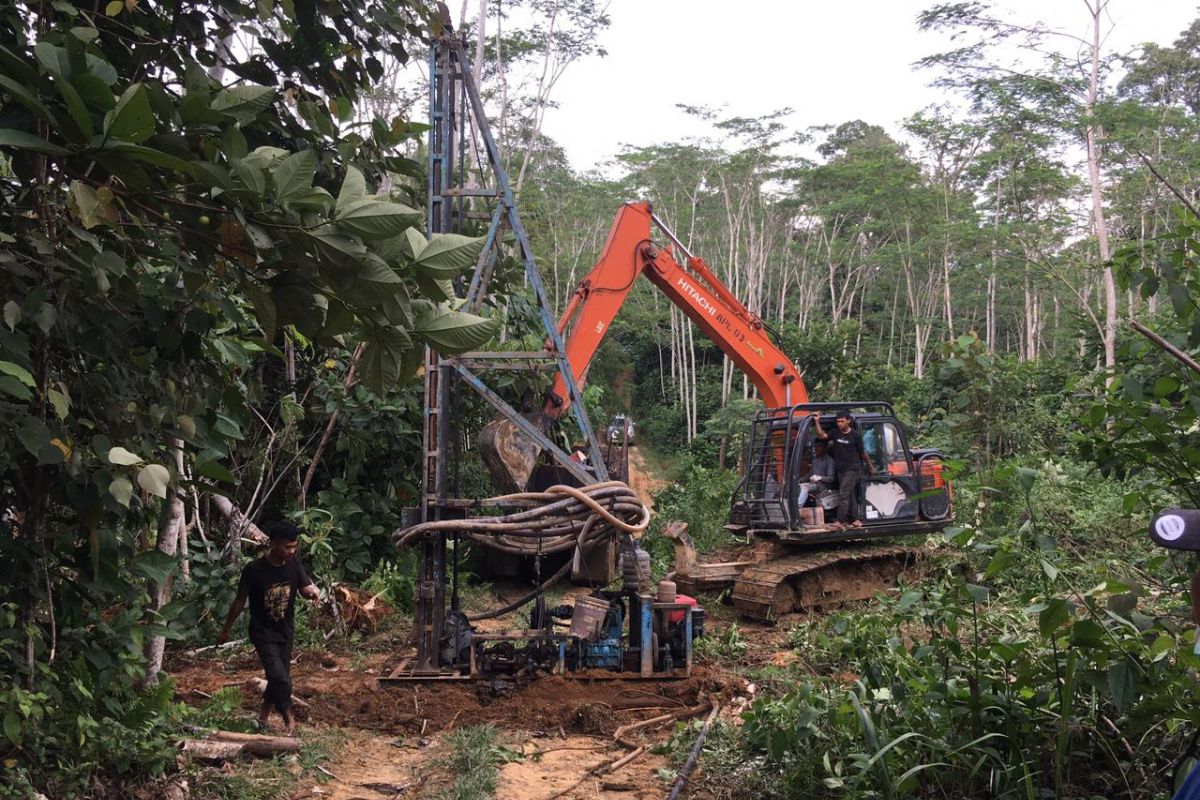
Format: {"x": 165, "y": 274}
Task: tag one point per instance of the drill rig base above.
{"x": 651, "y": 642}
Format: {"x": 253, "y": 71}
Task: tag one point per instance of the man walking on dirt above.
{"x": 270, "y": 584}
{"x": 849, "y": 456}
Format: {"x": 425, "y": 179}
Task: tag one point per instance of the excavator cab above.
{"x": 907, "y": 494}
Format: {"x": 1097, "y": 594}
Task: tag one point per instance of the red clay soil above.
{"x": 342, "y": 696}
{"x": 549, "y": 703}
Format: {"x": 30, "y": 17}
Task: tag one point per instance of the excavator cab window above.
{"x": 885, "y": 447}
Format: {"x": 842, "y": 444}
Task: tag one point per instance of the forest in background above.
{"x": 214, "y": 297}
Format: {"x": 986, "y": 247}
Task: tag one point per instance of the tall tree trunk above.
{"x": 173, "y": 526}
{"x": 990, "y": 325}
{"x": 1096, "y": 8}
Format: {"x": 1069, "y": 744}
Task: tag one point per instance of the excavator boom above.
{"x": 693, "y": 288}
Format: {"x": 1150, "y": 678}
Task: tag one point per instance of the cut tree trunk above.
{"x": 225, "y": 745}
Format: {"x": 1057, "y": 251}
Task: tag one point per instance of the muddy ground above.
{"x": 554, "y": 730}
{"x": 556, "y": 733}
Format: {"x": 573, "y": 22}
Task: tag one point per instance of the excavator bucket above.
{"x": 509, "y": 454}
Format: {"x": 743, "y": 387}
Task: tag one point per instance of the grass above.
{"x": 268, "y": 778}
{"x": 474, "y": 759}
{"x": 658, "y": 465}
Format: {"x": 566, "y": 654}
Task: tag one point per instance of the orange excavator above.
{"x": 799, "y": 560}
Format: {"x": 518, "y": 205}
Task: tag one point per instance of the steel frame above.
{"x": 456, "y": 112}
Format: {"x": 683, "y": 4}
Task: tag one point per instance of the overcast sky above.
{"x": 829, "y": 61}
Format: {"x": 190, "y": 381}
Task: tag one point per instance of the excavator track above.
{"x": 819, "y": 579}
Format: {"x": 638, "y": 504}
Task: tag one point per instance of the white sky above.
{"x": 830, "y": 61}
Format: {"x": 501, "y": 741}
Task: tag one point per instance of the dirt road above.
{"x": 640, "y": 478}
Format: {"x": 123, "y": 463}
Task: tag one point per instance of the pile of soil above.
{"x": 579, "y": 704}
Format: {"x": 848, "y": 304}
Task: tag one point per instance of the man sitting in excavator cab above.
{"x": 823, "y": 474}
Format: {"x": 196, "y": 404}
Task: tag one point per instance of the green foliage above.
{"x": 86, "y": 716}
{"x": 957, "y": 696}
{"x": 1145, "y": 425}
{"x": 994, "y": 408}
{"x": 473, "y": 761}
{"x": 727, "y": 646}
{"x": 699, "y": 496}
{"x": 224, "y": 712}
{"x": 188, "y": 232}
{"x": 393, "y": 580}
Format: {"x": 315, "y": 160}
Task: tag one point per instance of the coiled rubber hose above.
{"x": 558, "y": 519}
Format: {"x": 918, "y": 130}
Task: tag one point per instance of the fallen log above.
{"x": 258, "y": 744}
{"x": 207, "y": 750}
{"x": 227, "y": 745}
{"x": 206, "y": 648}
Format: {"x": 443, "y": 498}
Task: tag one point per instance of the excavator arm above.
{"x": 694, "y": 288}
{"x": 628, "y": 253}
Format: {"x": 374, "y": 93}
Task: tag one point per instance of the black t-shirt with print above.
{"x": 272, "y": 593}
{"x": 847, "y": 450}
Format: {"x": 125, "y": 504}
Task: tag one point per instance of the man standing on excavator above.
{"x": 846, "y": 448}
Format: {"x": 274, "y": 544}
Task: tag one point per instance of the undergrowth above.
{"x": 1046, "y": 656}
{"x": 474, "y": 759}
{"x": 269, "y": 778}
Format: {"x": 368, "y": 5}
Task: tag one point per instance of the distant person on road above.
{"x": 849, "y": 457}
{"x": 271, "y": 584}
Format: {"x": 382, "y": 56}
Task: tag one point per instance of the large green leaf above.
{"x": 131, "y": 120}
{"x": 154, "y": 478}
{"x": 439, "y": 290}
{"x": 1123, "y": 683}
{"x": 448, "y": 254}
{"x": 14, "y": 388}
{"x": 27, "y": 141}
{"x": 94, "y": 91}
{"x": 149, "y": 155}
{"x": 244, "y": 102}
{"x": 18, "y": 372}
{"x": 251, "y": 176}
{"x": 75, "y": 105}
{"x": 317, "y": 199}
{"x": 264, "y": 309}
{"x": 299, "y": 305}
{"x": 294, "y": 175}
{"x": 34, "y": 435}
{"x": 27, "y": 99}
{"x": 376, "y": 219}
{"x": 12, "y": 728}
{"x": 153, "y": 565}
{"x": 354, "y": 187}
{"x": 1056, "y": 612}
{"x": 451, "y": 332}
{"x": 383, "y": 360}
{"x": 376, "y": 270}
{"x": 53, "y": 58}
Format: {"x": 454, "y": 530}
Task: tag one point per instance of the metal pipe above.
{"x": 670, "y": 234}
